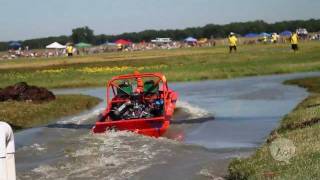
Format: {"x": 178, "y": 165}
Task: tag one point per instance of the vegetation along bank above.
{"x": 297, "y": 156}
{"x": 27, "y": 114}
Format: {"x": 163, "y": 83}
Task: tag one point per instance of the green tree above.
{"x": 83, "y": 34}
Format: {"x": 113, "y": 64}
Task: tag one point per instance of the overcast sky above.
{"x": 25, "y": 19}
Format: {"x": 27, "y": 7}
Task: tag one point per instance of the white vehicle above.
{"x": 302, "y": 31}
{"x": 161, "y": 40}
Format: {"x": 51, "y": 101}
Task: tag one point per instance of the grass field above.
{"x": 302, "y": 127}
{"x": 28, "y": 114}
{"x": 178, "y": 65}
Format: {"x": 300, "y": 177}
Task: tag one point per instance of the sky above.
{"x": 26, "y": 19}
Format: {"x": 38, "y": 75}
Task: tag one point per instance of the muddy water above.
{"x": 244, "y": 110}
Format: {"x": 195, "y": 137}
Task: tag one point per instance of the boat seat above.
{"x": 150, "y": 87}
{"x": 124, "y": 89}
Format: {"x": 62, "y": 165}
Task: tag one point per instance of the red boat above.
{"x": 139, "y": 102}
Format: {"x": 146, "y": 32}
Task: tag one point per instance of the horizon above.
{"x": 40, "y": 19}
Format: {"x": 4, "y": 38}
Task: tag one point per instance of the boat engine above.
{"x": 135, "y": 108}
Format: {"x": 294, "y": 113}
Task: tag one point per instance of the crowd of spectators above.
{"x": 172, "y": 45}
{"x": 25, "y": 52}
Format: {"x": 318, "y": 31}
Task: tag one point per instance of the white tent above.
{"x": 55, "y": 45}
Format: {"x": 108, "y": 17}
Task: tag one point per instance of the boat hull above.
{"x": 155, "y": 127}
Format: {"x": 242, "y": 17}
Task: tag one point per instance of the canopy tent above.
{"x": 55, "y": 45}
{"x": 14, "y": 45}
{"x": 123, "y": 42}
{"x": 285, "y": 33}
{"x": 190, "y": 39}
{"x": 83, "y": 45}
{"x": 251, "y": 35}
{"x": 263, "y": 34}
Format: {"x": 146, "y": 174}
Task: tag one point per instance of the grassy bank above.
{"x": 179, "y": 65}
{"x": 27, "y": 114}
{"x": 302, "y": 127}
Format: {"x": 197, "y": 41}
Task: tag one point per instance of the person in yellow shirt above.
{"x": 265, "y": 39}
{"x": 274, "y": 38}
{"x": 294, "y": 41}
{"x": 69, "y": 49}
{"x": 232, "y": 42}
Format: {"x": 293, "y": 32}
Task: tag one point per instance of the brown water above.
{"x": 245, "y": 111}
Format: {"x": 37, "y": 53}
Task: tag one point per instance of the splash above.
{"x": 208, "y": 174}
{"x": 192, "y": 110}
{"x": 35, "y": 146}
{"x": 82, "y": 117}
{"x": 113, "y": 155}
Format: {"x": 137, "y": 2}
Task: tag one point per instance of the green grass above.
{"x": 28, "y": 114}
{"x": 178, "y": 65}
{"x": 312, "y": 84}
{"x": 302, "y": 127}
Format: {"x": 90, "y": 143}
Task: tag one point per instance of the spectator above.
{"x": 69, "y": 50}
{"x": 294, "y": 42}
{"x": 232, "y": 42}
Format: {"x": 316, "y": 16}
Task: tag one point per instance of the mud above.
{"x": 23, "y": 92}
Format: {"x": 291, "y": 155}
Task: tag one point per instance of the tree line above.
{"x": 85, "y": 34}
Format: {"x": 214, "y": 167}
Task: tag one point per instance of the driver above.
{"x": 139, "y": 83}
